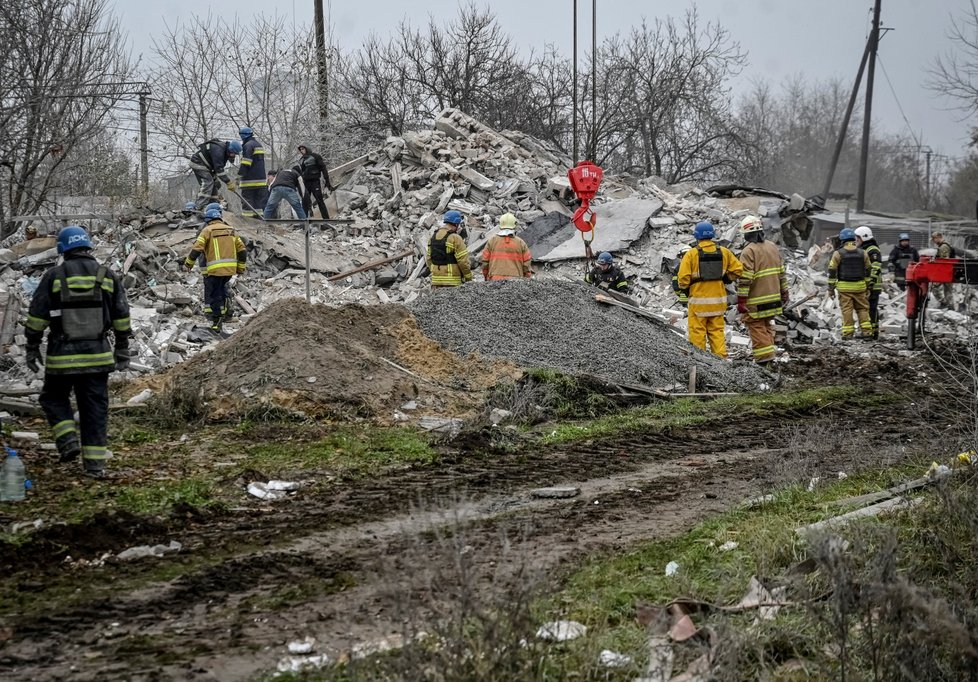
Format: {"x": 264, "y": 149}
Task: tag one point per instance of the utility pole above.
{"x": 143, "y": 144}
{"x": 321, "y": 66}
{"x": 874, "y": 43}
{"x": 927, "y": 180}
{"x": 841, "y": 140}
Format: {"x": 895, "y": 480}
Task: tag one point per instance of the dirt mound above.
{"x": 345, "y": 362}
{"x": 557, "y": 324}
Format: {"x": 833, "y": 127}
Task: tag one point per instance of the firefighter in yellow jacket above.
{"x": 762, "y": 290}
{"x": 225, "y": 256}
{"x": 851, "y": 272}
{"x": 506, "y": 256}
{"x": 704, "y": 271}
{"x": 448, "y": 254}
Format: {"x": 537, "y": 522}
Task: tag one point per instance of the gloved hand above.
{"x": 122, "y": 356}
{"x": 742, "y": 305}
{"x": 831, "y": 292}
{"x": 34, "y": 362}
{"x": 784, "y": 297}
{"x": 232, "y": 187}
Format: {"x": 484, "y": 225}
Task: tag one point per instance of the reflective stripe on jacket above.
{"x": 78, "y": 356}
{"x": 506, "y": 257}
{"x": 223, "y": 250}
{"x": 851, "y": 284}
{"x": 876, "y": 265}
{"x": 707, "y": 298}
{"x": 252, "y": 170}
{"x": 613, "y": 277}
{"x": 763, "y": 279}
{"x": 451, "y": 274}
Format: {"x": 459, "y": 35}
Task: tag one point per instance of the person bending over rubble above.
{"x": 506, "y": 256}
{"x": 705, "y": 271}
{"x": 80, "y": 300}
{"x": 225, "y": 256}
{"x": 208, "y": 164}
{"x": 606, "y": 275}
{"x": 850, "y": 271}
{"x": 762, "y": 290}
{"x": 285, "y": 184}
{"x": 448, "y": 254}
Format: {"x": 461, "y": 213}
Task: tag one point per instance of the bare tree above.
{"x": 62, "y": 71}
{"x": 955, "y": 75}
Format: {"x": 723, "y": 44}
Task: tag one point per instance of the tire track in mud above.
{"x": 367, "y": 541}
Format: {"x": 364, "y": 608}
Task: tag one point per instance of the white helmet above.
{"x": 864, "y": 233}
{"x": 751, "y": 224}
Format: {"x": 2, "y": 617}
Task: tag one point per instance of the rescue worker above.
{"x": 208, "y": 164}
{"x": 681, "y": 294}
{"x": 762, "y": 290}
{"x": 943, "y": 291}
{"x": 705, "y": 270}
{"x": 506, "y": 256}
{"x": 80, "y": 300}
{"x": 224, "y": 255}
{"x": 314, "y": 172}
{"x": 866, "y": 241}
{"x": 900, "y": 259}
{"x": 606, "y": 275}
{"x": 285, "y": 184}
{"x": 448, "y": 254}
{"x": 850, "y": 271}
{"x": 251, "y": 176}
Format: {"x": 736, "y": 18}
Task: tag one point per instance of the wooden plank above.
{"x": 19, "y": 407}
{"x": 8, "y": 321}
{"x": 371, "y": 265}
{"x": 865, "y": 512}
{"x": 692, "y": 379}
{"x": 396, "y": 176}
{"x": 870, "y": 498}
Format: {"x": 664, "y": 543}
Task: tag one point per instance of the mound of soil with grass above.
{"x": 345, "y": 362}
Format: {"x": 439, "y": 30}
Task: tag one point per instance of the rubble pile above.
{"x": 559, "y": 325}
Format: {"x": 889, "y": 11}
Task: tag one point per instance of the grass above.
{"x": 687, "y": 412}
{"x": 159, "y": 498}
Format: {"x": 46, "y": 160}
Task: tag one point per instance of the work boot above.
{"x": 100, "y": 474}
{"x": 69, "y": 449}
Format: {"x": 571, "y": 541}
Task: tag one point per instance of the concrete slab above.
{"x": 556, "y": 493}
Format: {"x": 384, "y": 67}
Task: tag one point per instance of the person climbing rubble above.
{"x": 208, "y": 164}
{"x": 80, "y": 301}
{"x": 705, "y": 270}
{"x": 606, "y": 275}
{"x": 448, "y": 254}
{"x": 285, "y": 185}
{"x": 506, "y": 256}
{"x": 314, "y": 175}
{"x": 866, "y": 241}
{"x": 251, "y": 177}
{"x": 225, "y": 256}
{"x": 762, "y": 290}
{"x": 850, "y": 271}
{"x": 944, "y": 292}
{"x": 900, "y": 259}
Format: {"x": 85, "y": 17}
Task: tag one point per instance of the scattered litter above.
{"x": 842, "y": 475}
{"x": 282, "y": 485}
{"x": 143, "y": 551}
{"x": 612, "y": 659}
{"x": 672, "y": 568}
{"x": 25, "y": 435}
{"x": 812, "y": 484}
{"x": 302, "y": 646}
{"x": 497, "y": 416}
{"x": 757, "y": 595}
{"x": 728, "y": 545}
{"x": 140, "y": 397}
{"x": 272, "y": 490}
{"x": 937, "y": 471}
{"x": 561, "y": 630}
{"x": 25, "y": 526}
{"x": 555, "y": 493}
{"x": 298, "y": 664}
{"x": 754, "y": 502}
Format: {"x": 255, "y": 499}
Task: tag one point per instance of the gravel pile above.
{"x": 559, "y": 325}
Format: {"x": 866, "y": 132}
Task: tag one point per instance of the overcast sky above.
{"x": 818, "y": 38}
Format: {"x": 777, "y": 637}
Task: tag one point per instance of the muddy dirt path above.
{"x": 350, "y": 565}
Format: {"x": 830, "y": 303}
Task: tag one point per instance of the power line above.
{"x": 899, "y": 105}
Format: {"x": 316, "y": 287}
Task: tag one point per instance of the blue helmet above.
{"x": 704, "y": 230}
{"x": 453, "y": 217}
{"x": 904, "y": 235}
{"x": 73, "y": 237}
{"x": 212, "y": 211}
{"x": 847, "y": 235}
{"x": 605, "y": 258}
{"x": 245, "y": 132}
{"x": 190, "y": 206}
{"x": 234, "y": 147}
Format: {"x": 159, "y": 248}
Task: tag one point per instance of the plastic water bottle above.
{"x": 12, "y": 478}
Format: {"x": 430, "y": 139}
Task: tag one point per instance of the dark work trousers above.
{"x": 874, "y": 312}
{"x": 215, "y": 293}
{"x": 253, "y": 200}
{"x": 314, "y": 189}
{"x": 209, "y": 185}
{"x": 92, "y": 396}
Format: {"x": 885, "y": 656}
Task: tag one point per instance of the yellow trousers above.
{"x": 701, "y": 329}
{"x": 858, "y": 302}
{"x": 761, "y": 337}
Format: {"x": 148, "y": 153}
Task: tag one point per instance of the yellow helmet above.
{"x": 750, "y": 224}
{"x": 507, "y": 221}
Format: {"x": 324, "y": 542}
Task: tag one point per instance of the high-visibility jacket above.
{"x": 707, "y": 298}
{"x": 876, "y": 264}
{"x": 506, "y": 257}
{"x": 850, "y": 269}
{"x": 763, "y": 280}
{"x": 251, "y": 171}
{"x": 448, "y": 259}
{"x": 612, "y": 278}
{"x": 224, "y": 252}
{"x": 85, "y": 355}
